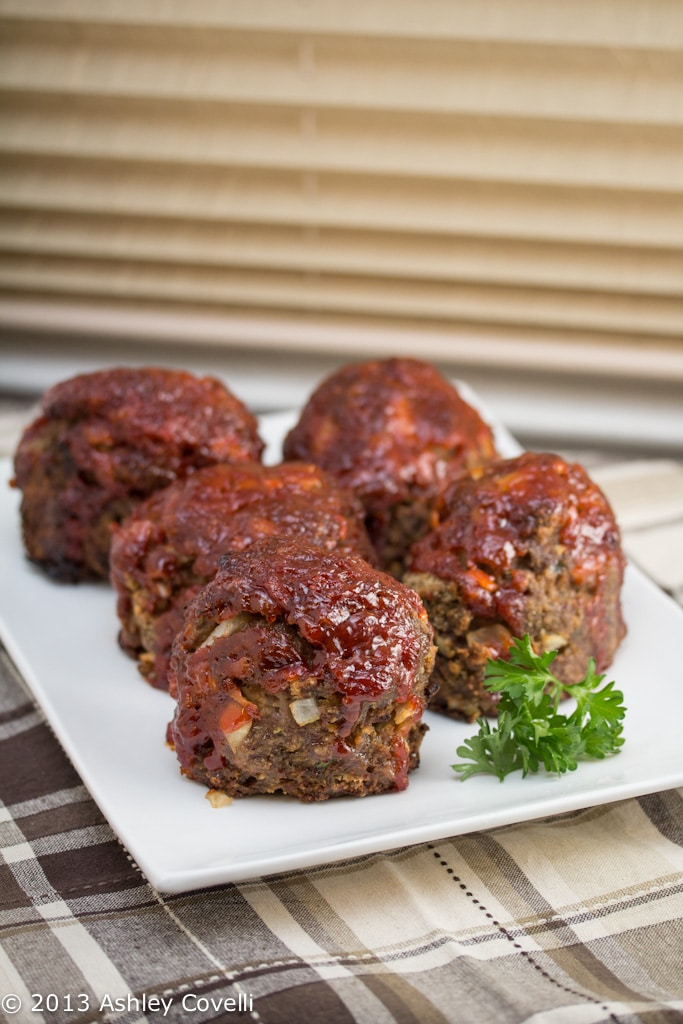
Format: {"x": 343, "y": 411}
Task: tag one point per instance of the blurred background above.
{"x": 266, "y": 189}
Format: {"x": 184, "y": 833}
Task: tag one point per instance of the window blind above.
{"x": 482, "y": 179}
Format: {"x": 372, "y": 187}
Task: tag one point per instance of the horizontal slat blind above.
{"x": 478, "y": 168}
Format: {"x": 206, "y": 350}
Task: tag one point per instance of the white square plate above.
{"x": 112, "y": 726}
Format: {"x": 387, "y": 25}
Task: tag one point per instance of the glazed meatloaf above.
{"x": 170, "y": 546}
{"x": 106, "y": 440}
{"x": 301, "y": 671}
{"x": 530, "y": 546}
{"x": 396, "y": 432}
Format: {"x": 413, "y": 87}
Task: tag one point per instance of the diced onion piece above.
{"x": 409, "y": 712}
{"x": 305, "y": 710}
{"x": 553, "y": 642}
{"x": 217, "y": 798}
{"x": 238, "y": 736}
{"x": 403, "y": 711}
{"x": 226, "y": 628}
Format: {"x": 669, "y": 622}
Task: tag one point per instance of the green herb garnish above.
{"x": 530, "y": 732}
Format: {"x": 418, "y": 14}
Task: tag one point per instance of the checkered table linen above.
{"x": 575, "y": 918}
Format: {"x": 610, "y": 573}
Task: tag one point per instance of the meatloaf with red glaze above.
{"x": 170, "y": 546}
{"x": 529, "y": 546}
{"x": 397, "y": 433}
{"x": 301, "y": 671}
{"x": 104, "y": 441}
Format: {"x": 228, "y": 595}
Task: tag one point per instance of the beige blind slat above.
{"x": 368, "y": 143}
{"x": 366, "y": 295}
{"x": 484, "y": 165}
{"x": 640, "y": 23}
{"x": 499, "y": 261}
{"x": 641, "y": 357}
{"x": 385, "y": 254}
{"x": 453, "y": 207}
{"x": 589, "y": 84}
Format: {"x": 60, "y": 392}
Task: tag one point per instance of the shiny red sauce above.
{"x": 389, "y": 428}
{"x": 520, "y": 517}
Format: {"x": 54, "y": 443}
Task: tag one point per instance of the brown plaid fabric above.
{"x": 578, "y": 918}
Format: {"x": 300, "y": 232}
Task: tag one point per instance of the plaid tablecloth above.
{"x": 573, "y": 918}
{"x": 576, "y": 918}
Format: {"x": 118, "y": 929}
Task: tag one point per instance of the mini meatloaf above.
{"x": 169, "y": 547}
{"x": 106, "y": 440}
{"x": 301, "y": 671}
{"x": 531, "y": 546}
{"x": 397, "y": 434}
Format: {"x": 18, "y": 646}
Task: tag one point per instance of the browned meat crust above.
{"x": 531, "y": 546}
{"x": 396, "y": 433}
{"x": 170, "y": 546}
{"x": 301, "y": 671}
{"x": 106, "y": 440}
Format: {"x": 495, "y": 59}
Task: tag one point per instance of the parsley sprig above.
{"x": 530, "y": 731}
